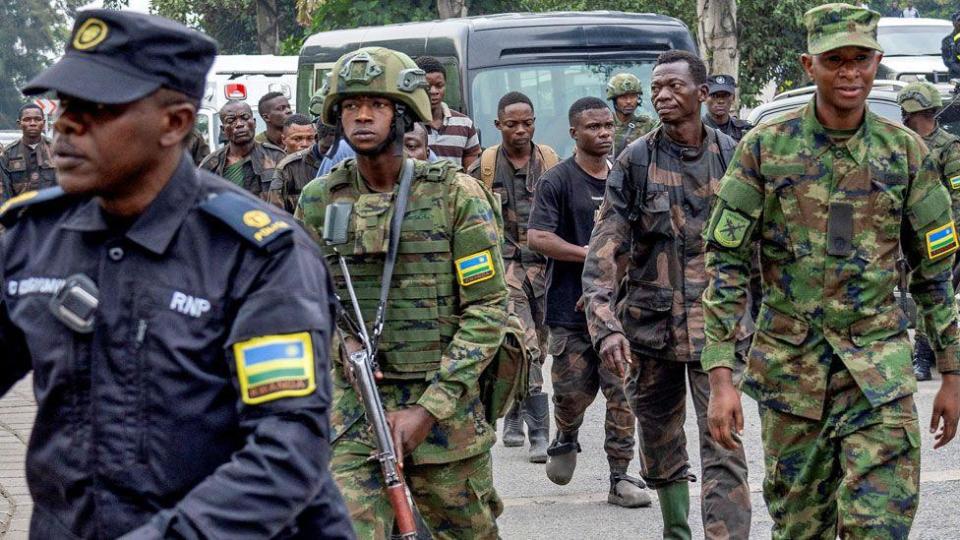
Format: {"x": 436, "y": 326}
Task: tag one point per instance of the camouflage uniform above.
{"x": 258, "y": 170}
{"x": 649, "y": 232}
{"x": 830, "y": 361}
{"x": 637, "y": 126}
{"x": 293, "y": 172}
{"x": 526, "y": 270}
{"x": 196, "y": 146}
{"x": 23, "y": 169}
{"x": 443, "y": 325}
{"x": 945, "y": 153}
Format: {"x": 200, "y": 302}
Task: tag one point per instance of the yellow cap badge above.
{"x": 90, "y": 34}
{"x": 256, "y": 219}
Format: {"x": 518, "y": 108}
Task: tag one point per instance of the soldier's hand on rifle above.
{"x": 409, "y": 428}
{"x": 724, "y": 413}
{"x": 615, "y": 353}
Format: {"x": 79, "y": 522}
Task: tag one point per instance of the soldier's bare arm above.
{"x": 551, "y": 245}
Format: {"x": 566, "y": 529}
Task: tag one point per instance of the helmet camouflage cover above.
{"x": 376, "y": 71}
{"x": 623, "y": 83}
{"x": 919, "y": 96}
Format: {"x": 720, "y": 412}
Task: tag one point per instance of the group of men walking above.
{"x": 630, "y": 263}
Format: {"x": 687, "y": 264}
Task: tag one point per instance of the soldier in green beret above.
{"x": 833, "y": 193}
{"x": 919, "y": 103}
{"x": 446, "y": 309}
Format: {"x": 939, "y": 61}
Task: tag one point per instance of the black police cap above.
{"x": 721, "y": 83}
{"x": 119, "y": 57}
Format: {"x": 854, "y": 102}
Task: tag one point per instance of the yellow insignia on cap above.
{"x": 90, "y": 34}
{"x": 256, "y": 219}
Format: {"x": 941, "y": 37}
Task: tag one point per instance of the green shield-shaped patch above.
{"x": 731, "y": 229}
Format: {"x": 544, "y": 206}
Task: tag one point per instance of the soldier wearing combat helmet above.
{"x": 834, "y": 194}
{"x": 920, "y": 103}
{"x": 446, "y": 310}
{"x": 625, "y": 92}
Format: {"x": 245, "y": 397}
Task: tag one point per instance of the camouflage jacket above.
{"x": 627, "y": 132}
{"x": 831, "y": 218}
{"x": 293, "y": 173}
{"x": 644, "y": 272}
{"x": 257, "y": 171}
{"x": 945, "y": 152}
{"x": 444, "y": 321}
{"x": 196, "y": 146}
{"x": 23, "y": 169}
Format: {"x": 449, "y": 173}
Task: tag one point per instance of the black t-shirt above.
{"x": 566, "y": 204}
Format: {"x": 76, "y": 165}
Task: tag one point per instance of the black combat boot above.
{"x": 513, "y": 427}
{"x": 922, "y": 357}
{"x": 536, "y": 413}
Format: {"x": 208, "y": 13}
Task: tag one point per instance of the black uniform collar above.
{"x": 155, "y": 228}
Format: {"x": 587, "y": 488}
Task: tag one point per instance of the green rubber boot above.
{"x": 675, "y": 509}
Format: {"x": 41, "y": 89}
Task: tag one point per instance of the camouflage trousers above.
{"x": 657, "y": 390}
{"x": 577, "y": 375}
{"x": 856, "y": 469}
{"x": 457, "y": 500}
{"x": 526, "y": 300}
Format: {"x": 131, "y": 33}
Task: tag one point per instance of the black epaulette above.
{"x": 12, "y": 209}
{"x": 249, "y": 220}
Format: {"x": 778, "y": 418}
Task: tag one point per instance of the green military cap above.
{"x": 919, "y": 96}
{"x": 832, "y": 26}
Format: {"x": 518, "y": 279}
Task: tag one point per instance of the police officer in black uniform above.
{"x": 950, "y": 48}
{"x": 722, "y": 90}
{"x": 177, "y": 328}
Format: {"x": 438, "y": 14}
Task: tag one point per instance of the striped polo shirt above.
{"x": 456, "y": 137}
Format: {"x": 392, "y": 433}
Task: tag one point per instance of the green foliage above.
{"x": 233, "y": 23}
{"x": 31, "y": 33}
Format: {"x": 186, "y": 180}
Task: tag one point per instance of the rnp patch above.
{"x": 274, "y": 367}
{"x": 475, "y": 268}
{"x": 942, "y": 241}
{"x": 730, "y": 229}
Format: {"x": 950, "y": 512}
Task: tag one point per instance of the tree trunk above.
{"x": 717, "y": 36}
{"x": 449, "y": 9}
{"x": 268, "y": 35}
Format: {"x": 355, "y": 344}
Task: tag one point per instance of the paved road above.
{"x": 538, "y": 509}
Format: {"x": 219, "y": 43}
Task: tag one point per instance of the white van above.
{"x": 247, "y": 77}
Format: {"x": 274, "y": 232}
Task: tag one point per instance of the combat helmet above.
{"x": 377, "y": 71}
{"x": 623, "y": 83}
{"x": 919, "y": 96}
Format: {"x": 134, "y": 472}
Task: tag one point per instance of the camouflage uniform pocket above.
{"x": 372, "y": 222}
{"x": 556, "y": 341}
{"x": 882, "y": 326}
{"x": 655, "y": 212}
{"x": 646, "y": 314}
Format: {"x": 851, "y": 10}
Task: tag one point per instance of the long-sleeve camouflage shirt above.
{"x": 644, "y": 273}
{"x": 831, "y": 218}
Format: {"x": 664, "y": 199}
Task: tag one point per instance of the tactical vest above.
{"x": 422, "y": 307}
{"x": 518, "y": 198}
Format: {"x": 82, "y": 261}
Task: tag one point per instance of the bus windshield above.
{"x": 552, "y": 88}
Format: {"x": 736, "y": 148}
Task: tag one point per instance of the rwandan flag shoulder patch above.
{"x": 475, "y": 268}
{"x": 955, "y": 182}
{"x": 274, "y": 367}
{"x": 942, "y": 240}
